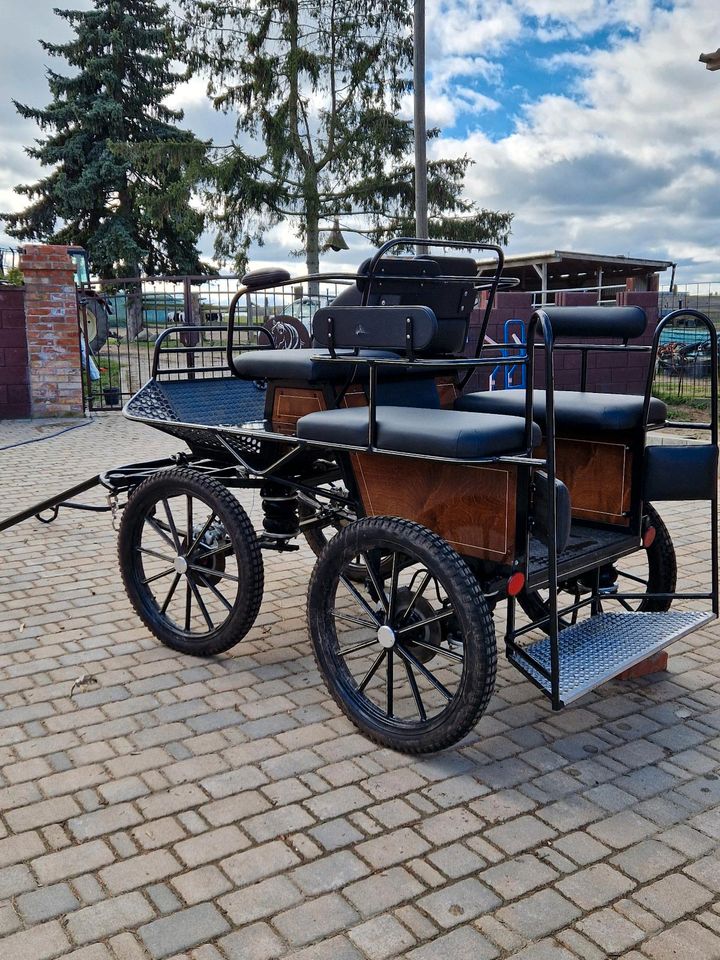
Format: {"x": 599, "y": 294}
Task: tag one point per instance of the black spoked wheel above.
{"x": 650, "y": 570}
{"x": 409, "y": 654}
{"x": 190, "y": 562}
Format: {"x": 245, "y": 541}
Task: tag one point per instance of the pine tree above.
{"x": 118, "y": 184}
{"x": 316, "y": 87}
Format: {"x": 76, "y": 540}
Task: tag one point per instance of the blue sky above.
{"x": 591, "y": 120}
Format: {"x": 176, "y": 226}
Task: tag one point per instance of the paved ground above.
{"x": 225, "y": 809}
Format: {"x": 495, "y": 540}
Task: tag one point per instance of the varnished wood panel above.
{"x": 291, "y": 403}
{"x": 447, "y": 392}
{"x": 473, "y": 508}
{"x": 598, "y": 475}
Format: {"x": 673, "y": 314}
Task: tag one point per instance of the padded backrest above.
{"x": 627, "y": 323}
{"x": 381, "y": 328}
{"x": 418, "y": 280}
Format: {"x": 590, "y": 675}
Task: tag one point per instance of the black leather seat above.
{"x": 438, "y": 433}
{"x": 574, "y": 410}
{"x": 300, "y": 365}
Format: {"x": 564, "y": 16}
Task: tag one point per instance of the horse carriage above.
{"x": 428, "y": 505}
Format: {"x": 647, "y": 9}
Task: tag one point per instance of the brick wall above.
{"x": 52, "y": 331}
{"x": 620, "y": 372}
{"x": 14, "y": 376}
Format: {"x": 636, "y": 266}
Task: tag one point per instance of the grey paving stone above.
{"x": 108, "y": 917}
{"x": 259, "y": 862}
{"x": 539, "y": 915}
{"x": 516, "y": 877}
{"x": 392, "y": 848}
{"x": 613, "y": 933}
{"x": 622, "y": 830}
{"x": 674, "y": 944}
{"x": 256, "y": 942}
{"x": 456, "y": 860}
{"x": 15, "y": 880}
{"x": 673, "y": 897}
{"x": 647, "y": 860}
{"x": 706, "y": 871}
{"x": 315, "y": 919}
{"x": 205, "y": 883}
{"x": 595, "y": 886}
{"x": 182, "y": 930}
{"x": 260, "y": 900}
{"x": 43, "y": 942}
{"x": 524, "y": 833}
{"x": 462, "y": 944}
{"x": 329, "y": 873}
{"x": 336, "y": 948}
{"x": 459, "y": 902}
{"x": 46, "y": 903}
{"x": 381, "y": 937}
{"x": 543, "y": 950}
{"x": 382, "y": 891}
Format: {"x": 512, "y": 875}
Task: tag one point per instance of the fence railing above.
{"x": 122, "y": 318}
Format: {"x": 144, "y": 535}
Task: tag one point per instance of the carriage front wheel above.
{"x": 190, "y": 562}
{"x": 408, "y": 654}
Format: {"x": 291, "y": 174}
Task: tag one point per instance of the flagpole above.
{"x": 421, "y": 206}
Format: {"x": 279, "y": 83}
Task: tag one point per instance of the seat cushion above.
{"x": 300, "y": 364}
{"x": 573, "y": 410}
{"x": 437, "y": 433}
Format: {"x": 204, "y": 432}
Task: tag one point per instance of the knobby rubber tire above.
{"x": 245, "y": 547}
{"x": 471, "y": 611}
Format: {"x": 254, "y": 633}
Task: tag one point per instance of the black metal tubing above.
{"x": 713, "y": 426}
{"x": 159, "y": 350}
{"x": 542, "y": 320}
{"x": 50, "y": 503}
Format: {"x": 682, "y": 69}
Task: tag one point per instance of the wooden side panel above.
{"x": 598, "y": 475}
{"x": 473, "y": 508}
{"x": 291, "y": 403}
{"x": 447, "y": 392}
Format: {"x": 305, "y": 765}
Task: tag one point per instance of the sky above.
{"x": 591, "y": 120}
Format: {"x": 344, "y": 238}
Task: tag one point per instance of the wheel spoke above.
{"x": 379, "y": 588}
{"x": 371, "y": 672}
{"x": 172, "y": 590}
{"x": 437, "y": 618}
{"x": 360, "y": 599}
{"x": 200, "y": 603}
{"x": 197, "y": 541}
{"x": 188, "y": 521}
{"x": 154, "y": 553}
{"x": 415, "y": 597}
{"x": 158, "y": 576}
{"x": 631, "y": 576}
{"x": 219, "y": 574}
{"x": 415, "y": 690}
{"x": 188, "y": 604}
{"x": 171, "y": 523}
{"x": 157, "y": 527}
{"x": 359, "y": 646}
{"x": 224, "y": 550}
{"x": 431, "y": 678}
{"x": 625, "y": 604}
{"x": 450, "y": 654}
{"x": 390, "y": 682}
{"x": 339, "y": 615}
{"x": 214, "y": 590}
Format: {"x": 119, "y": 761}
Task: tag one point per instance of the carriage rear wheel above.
{"x": 190, "y": 562}
{"x": 651, "y": 570}
{"x": 408, "y": 654}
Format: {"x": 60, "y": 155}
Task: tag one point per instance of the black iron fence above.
{"x": 683, "y": 370}
{"x": 121, "y": 319}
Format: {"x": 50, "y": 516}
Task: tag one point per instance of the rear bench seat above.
{"x": 574, "y": 410}
{"x": 449, "y": 434}
{"x": 306, "y": 365}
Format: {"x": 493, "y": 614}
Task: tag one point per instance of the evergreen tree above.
{"x": 118, "y": 183}
{"x": 316, "y": 87}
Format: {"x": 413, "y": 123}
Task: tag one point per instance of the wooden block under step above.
{"x": 655, "y": 664}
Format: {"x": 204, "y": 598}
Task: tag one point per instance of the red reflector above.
{"x": 649, "y": 537}
{"x": 515, "y": 584}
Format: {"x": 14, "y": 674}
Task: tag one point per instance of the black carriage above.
{"x": 427, "y": 505}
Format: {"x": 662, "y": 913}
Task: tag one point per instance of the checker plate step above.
{"x": 600, "y": 648}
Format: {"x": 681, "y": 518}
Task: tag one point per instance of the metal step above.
{"x": 600, "y": 648}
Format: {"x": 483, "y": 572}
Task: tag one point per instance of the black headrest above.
{"x": 385, "y": 328}
{"x": 627, "y": 323}
{"x": 264, "y": 277}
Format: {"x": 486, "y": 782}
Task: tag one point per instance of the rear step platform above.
{"x": 598, "y": 649}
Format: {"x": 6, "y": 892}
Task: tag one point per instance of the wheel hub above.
{"x": 386, "y": 637}
{"x": 180, "y": 564}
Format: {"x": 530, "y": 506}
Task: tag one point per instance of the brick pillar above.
{"x": 52, "y": 331}
{"x": 14, "y": 388}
